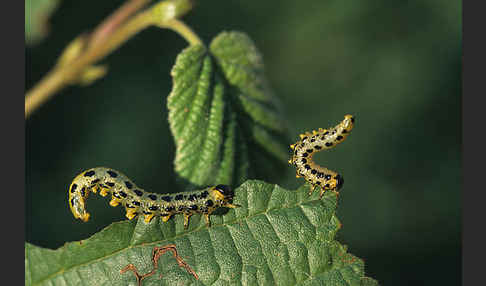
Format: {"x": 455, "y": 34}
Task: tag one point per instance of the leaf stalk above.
{"x": 117, "y": 29}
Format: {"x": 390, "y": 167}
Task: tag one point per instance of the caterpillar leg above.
{"x": 131, "y": 214}
{"x": 85, "y": 218}
{"x": 322, "y": 193}
{"x": 208, "y": 221}
{"x": 312, "y": 188}
{"x": 104, "y": 192}
{"x": 186, "y": 219}
{"x": 165, "y": 218}
{"x": 148, "y": 217}
{"x": 231, "y": 206}
{"x": 114, "y": 201}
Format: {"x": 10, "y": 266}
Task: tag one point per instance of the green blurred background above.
{"x": 396, "y": 65}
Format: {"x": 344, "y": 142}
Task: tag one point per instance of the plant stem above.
{"x": 49, "y": 85}
{"x": 116, "y": 19}
{"x": 59, "y": 77}
{"x": 110, "y": 35}
{"x": 182, "y": 29}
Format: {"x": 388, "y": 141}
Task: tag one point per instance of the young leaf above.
{"x": 275, "y": 237}
{"x": 220, "y": 105}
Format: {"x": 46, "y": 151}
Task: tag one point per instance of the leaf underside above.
{"x": 275, "y": 237}
{"x": 219, "y": 107}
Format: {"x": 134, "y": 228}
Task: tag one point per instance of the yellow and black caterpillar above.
{"x": 137, "y": 201}
{"x": 311, "y": 143}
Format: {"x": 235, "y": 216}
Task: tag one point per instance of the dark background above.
{"x": 395, "y": 65}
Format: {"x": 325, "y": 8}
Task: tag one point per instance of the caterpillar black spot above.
{"x": 137, "y": 201}
{"x": 311, "y": 143}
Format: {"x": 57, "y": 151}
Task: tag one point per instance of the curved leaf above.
{"x": 219, "y": 105}
{"x": 275, "y": 237}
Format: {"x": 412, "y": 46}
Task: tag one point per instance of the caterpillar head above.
{"x": 77, "y": 205}
{"x": 348, "y": 122}
{"x": 339, "y": 182}
{"x": 77, "y": 199}
{"x": 223, "y": 195}
{"x": 335, "y": 183}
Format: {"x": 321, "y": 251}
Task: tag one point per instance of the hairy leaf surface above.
{"x": 220, "y": 107}
{"x": 275, "y": 237}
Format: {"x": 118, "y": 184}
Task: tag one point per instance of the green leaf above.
{"x": 37, "y": 13}
{"x": 220, "y": 107}
{"x": 275, "y": 237}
